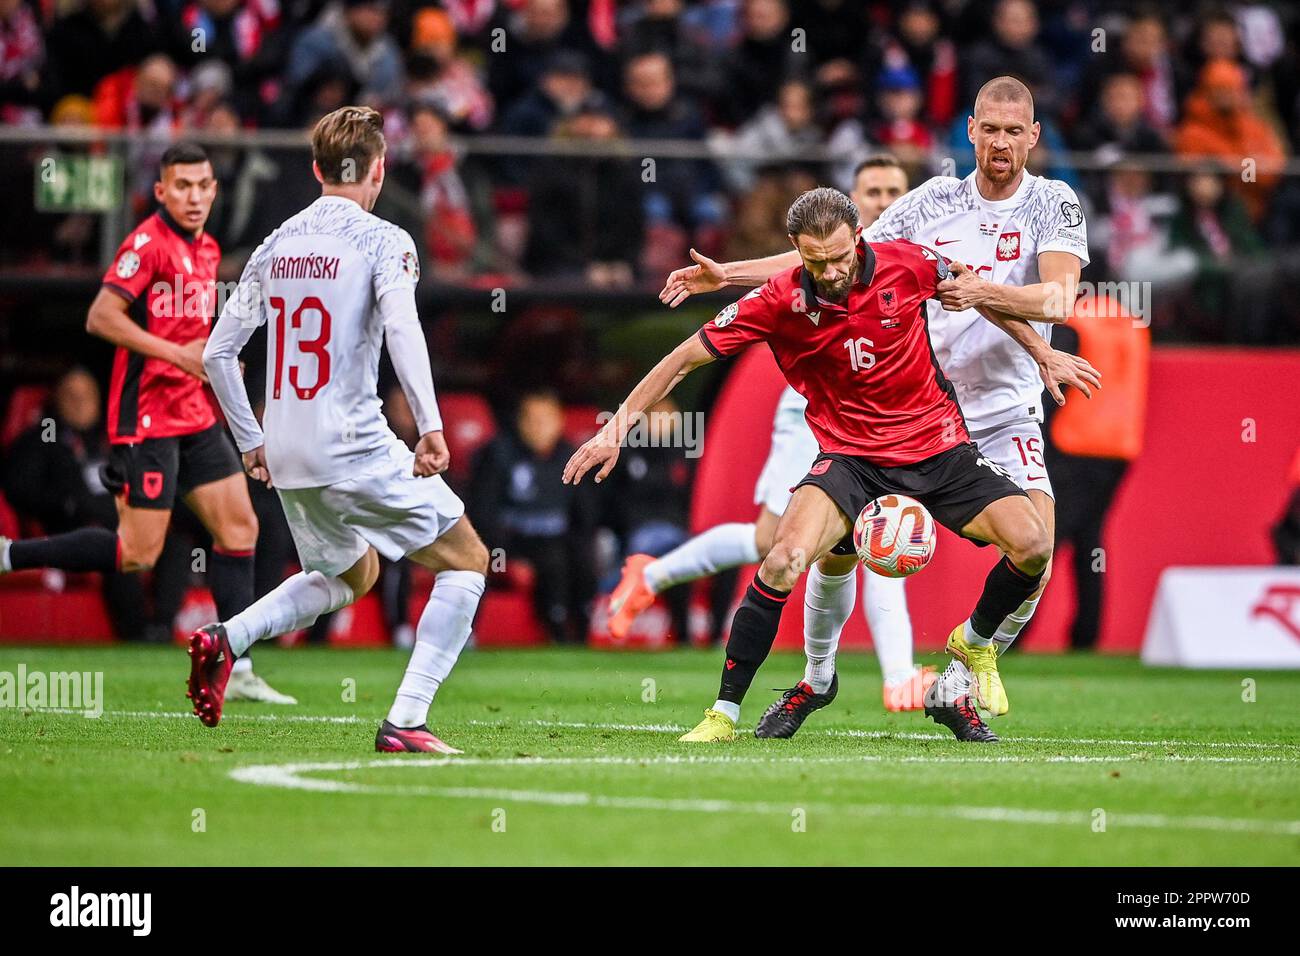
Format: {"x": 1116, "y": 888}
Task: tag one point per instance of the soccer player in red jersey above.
{"x": 848, "y": 329}
{"x": 156, "y": 306}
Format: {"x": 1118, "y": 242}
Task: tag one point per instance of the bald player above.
{"x": 1019, "y": 243}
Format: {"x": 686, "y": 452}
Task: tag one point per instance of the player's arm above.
{"x": 602, "y": 448}
{"x": 109, "y": 319}
{"x": 409, "y": 353}
{"x": 240, "y": 317}
{"x": 1051, "y": 299}
{"x": 710, "y": 276}
{"x": 1056, "y": 368}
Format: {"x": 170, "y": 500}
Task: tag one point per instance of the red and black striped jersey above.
{"x": 168, "y": 276}
{"x": 873, "y": 386}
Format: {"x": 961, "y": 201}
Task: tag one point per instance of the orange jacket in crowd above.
{"x": 1220, "y": 121}
{"x": 1110, "y": 424}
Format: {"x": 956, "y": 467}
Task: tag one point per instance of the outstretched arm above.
{"x": 603, "y": 447}
{"x": 710, "y": 276}
{"x": 1055, "y": 367}
{"x": 1051, "y": 299}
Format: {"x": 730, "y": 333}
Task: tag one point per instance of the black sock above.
{"x": 86, "y": 549}
{"x": 753, "y": 630}
{"x": 1005, "y": 589}
{"x": 230, "y": 578}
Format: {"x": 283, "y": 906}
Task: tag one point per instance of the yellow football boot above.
{"x": 982, "y": 662}
{"x": 715, "y": 728}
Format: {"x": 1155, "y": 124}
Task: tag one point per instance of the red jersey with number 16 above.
{"x": 873, "y": 386}
{"x": 168, "y": 276}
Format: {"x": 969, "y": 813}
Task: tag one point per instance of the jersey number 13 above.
{"x": 314, "y": 347}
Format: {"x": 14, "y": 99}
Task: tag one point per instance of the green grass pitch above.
{"x": 571, "y": 758}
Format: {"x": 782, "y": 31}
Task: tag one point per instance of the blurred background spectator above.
{"x": 519, "y": 504}
{"x": 695, "y": 119}
{"x": 51, "y": 479}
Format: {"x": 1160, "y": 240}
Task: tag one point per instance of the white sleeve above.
{"x": 410, "y": 356}
{"x": 240, "y": 317}
{"x": 904, "y": 216}
{"x": 396, "y": 265}
{"x": 1060, "y": 223}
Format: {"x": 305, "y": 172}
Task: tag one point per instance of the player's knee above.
{"x": 784, "y": 564}
{"x": 365, "y": 579}
{"x": 1031, "y": 551}
{"x": 1047, "y": 576}
{"x": 135, "y": 556}
{"x": 238, "y": 534}
{"x": 477, "y": 558}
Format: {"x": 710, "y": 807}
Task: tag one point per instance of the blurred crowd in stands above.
{"x": 777, "y": 94}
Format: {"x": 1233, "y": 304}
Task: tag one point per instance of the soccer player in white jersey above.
{"x": 1023, "y": 241}
{"x": 877, "y": 182}
{"x": 334, "y": 283}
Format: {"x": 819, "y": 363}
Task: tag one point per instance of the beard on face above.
{"x": 994, "y": 173}
{"x": 838, "y": 290}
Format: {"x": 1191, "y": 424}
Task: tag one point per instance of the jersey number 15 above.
{"x": 314, "y": 347}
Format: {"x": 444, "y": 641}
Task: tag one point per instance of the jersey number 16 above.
{"x": 314, "y": 347}
{"x": 859, "y": 357}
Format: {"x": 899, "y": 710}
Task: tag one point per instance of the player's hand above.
{"x": 189, "y": 359}
{"x": 598, "y": 450}
{"x": 705, "y": 276}
{"x": 1059, "y": 368}
{"x": 963, "y": 291}
{"x": 255, "y": 465}
{"x": 431, "y": 455}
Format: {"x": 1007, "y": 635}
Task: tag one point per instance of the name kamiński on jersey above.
{"x": 304, "y": 267}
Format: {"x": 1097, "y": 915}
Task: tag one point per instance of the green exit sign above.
{"x": 78, "y": 183}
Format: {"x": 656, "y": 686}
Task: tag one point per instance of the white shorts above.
{"x": 1017, "y": 447}
{"x": 794, "y": 449}
{"x": 385, "y": 506}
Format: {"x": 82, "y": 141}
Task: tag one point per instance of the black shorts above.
{"x": 954, "y": 485}
{"x": 153, "y": 472}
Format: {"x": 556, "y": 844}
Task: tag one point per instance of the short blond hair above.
{"x": 345, "y": 143}
{"x": 1004, "y": 89}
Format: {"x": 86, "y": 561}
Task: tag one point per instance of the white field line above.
{"x": 678, "y": 729}
{"x": 290, "y": 776}
{"x": 910, "y": 735}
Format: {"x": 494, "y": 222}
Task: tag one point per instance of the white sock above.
{"x": 827, "y": 604}
{"x": 295, "y": 604}
{"x": 724, "y": 546}
{"x": 955, "y": 681}
{"x": 1014, "y": 623}
{"x": 729, "y": 708}
{"x": 243, "y": 666}
{"x": 973, "y": 639}
{"x": 884, "y": 601}
{"x": 4, "y": 557}
{"x": 442, "y": 632}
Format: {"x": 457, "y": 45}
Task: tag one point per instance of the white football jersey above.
{"x": 995, "y": 378}
{"x": 321, "y": 275}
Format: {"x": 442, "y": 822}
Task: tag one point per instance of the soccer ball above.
{"x": 894, "y": 536}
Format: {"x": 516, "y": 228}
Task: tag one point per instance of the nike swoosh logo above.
{"x": 945, "y": 242}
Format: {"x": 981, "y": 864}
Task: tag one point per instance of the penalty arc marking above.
{"x": 294, "y": 776}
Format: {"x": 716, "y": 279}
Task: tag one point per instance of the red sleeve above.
{"x": 748, "y": 320}
{"x": 133, "y": 266}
